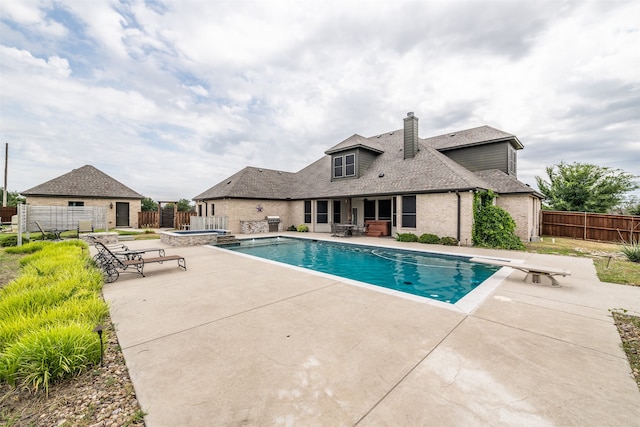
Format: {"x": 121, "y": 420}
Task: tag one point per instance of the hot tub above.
{"x": 191, "y": 237}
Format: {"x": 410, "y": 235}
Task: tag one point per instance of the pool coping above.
{"x": 465, "y": 305}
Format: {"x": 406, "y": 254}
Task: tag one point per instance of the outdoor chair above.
{"x": 85, "y": 226}
{"x": 52, "y": 233}
{"x": 359, "y": 230}
{"x": 112, "y": 265}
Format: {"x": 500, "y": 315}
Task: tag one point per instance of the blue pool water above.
{"x": 441, "y": 277}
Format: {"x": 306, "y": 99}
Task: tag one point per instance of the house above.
{"x": 407, "y": 183}
{"x": 90, "y": 187}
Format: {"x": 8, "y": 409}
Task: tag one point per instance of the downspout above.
{"x": 459, "y": 205}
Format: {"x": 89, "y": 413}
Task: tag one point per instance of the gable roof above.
{"x": 251, "y": 183}
{"x": 475, "y": 136}
{"x": 389, "y": 173}
{"x": 356, "y": 141}
{"x": 428, "y": 171}
{"x": 86, "y": 181}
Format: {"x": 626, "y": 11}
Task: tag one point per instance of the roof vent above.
{"x": 453, "y": 134}
{"x": 381, "y": 175}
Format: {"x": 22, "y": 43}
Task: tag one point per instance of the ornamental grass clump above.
{"x": 48, "y": 354}
{"x": 631, "y": 251}
{"x": 47, "y": 315}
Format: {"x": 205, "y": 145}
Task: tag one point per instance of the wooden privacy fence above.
{"x": 151, "y": 219}
{"x": 591, "y": 226}
{"x": 7, "y": 212}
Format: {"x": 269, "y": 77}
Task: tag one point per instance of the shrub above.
{"x": 493, "y": 227}
{"x": 11, "y": 240}
{"x": 303, "y": 228}
{"x": 406, "y": 237}
{"x": 49, "y": 354}
{"x": 449, "y": 241}
{"x": 47, "y": 314}
{"x": 429, "y": 238}
{"x": 631, "y": 251}
{"x": 292, "y": 228}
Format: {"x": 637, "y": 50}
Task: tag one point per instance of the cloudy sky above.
{"x": 171, "y": 97}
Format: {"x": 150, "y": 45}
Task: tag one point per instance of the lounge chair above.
{"x": 112, "y": 265}
{"x": 85, "y": 226}
{"x": 52, "y": 233}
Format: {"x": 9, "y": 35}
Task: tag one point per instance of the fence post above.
{"x": 585, "y": 226}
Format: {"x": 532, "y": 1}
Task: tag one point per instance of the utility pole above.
{"x": 6, "y": 165}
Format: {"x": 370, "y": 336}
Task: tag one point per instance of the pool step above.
{"x": 227, "y": 240}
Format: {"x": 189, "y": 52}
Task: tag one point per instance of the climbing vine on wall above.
{"x": 493, "y": 227}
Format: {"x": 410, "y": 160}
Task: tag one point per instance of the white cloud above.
{"x": 206, "y": 88}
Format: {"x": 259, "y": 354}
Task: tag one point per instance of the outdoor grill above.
{"x": 273, "y": 222}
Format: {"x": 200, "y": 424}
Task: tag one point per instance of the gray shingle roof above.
{"x": 469, "y": 137}
{"x": 500, "y": 182}
{"x": 428, "y": 171}
{"x": 355, "y": 141}
{"x": 86, "y": 181}
{"x": 251, "y": 183}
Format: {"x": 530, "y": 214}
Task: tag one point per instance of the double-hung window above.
{"x": 307, "y": 211}
{"x": 322, "y": 211}
{"x": 409, "y": 211}
{"x": 344, "y": 166}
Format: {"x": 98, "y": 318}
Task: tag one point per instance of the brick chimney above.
{"x": 410, "y": 136}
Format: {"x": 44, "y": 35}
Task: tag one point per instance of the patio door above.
{"x": 122, "y": 214}
{"x": 337, "y": 214}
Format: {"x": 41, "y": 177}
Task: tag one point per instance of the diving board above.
{"x": 535, "y": 273}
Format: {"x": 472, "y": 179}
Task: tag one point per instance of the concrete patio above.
{"x": 237, "y": 341}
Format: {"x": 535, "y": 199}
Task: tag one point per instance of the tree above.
{"x": 184, "y": 205}
{"x": 148, "y": 204}
{"x": 584, "y": 187}
{"x": 13, "y": 198}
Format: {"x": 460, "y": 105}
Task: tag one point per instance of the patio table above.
{"x": 345, "y": 229}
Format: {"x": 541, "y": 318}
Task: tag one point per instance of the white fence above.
{"x": 59, "y": 218}
{"x": 208, "y": 223}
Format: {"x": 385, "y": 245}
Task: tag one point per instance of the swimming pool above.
{"x": 445, "y": 278}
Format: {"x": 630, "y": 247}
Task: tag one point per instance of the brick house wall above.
{"x": 525, "y": 211}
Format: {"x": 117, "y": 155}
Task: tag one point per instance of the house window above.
{"x": 369, "y": 210}
{"x": 307, "y": 211}
{"x": 409, "y": 211}
{"x": 76, "y": 203}
{"x": 213, "y": 209}
{"x": 350, "y": 165}
{"x": 393, "y": 218}
{"x": 337, "y": 167}
{"x": 513, "y": 157}
{"x": 199, "y": 210}
{"x": 344, "y": 166}
{"x": 322, "y": 211}
{"x": 384, "y": 210}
